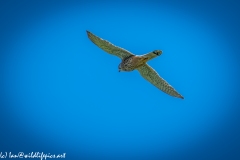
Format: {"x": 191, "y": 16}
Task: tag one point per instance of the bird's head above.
{"x": 157, "y": 52}
{"x": 120, "y": 67}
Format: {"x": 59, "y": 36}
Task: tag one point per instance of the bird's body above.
{"x": 131, "y": 62}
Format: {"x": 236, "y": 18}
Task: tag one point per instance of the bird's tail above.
{"x": 152, "y": 55}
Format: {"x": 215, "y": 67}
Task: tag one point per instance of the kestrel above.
{"x": 131, "y": 62}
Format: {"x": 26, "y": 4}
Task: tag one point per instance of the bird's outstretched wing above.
{"x": 108, "y": 47}
{"x": 152, "y": 76}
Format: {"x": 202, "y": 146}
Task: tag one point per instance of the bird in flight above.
{"x": 131, "y": 62}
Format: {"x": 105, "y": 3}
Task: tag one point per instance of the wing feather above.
{"x": 108, "y": 47}
{"x": 153, "y": 77}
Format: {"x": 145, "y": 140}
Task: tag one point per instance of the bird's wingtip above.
{"x": 179, "y": 96}
{"x": 88, "y": 33}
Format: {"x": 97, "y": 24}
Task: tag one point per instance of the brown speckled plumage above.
{"x": 131, "y": 62}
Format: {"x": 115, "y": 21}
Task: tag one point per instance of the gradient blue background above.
{"x": 61, "y": 93}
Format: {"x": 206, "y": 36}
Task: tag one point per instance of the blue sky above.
{"x": 61, "y": 93}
